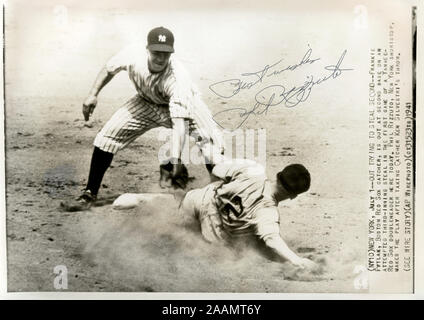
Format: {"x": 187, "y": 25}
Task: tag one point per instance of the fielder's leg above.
{"x": 212, "y": 153}
{"x": 129, "y": 122}
{"x": 100, "y": 161}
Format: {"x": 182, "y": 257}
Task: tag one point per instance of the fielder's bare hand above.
{"x": 88, "y": 106}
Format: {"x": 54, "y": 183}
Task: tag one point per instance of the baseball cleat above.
{"x": 83, "y": 202}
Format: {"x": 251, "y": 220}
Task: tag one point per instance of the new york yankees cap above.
{"x": 160, "y": 39}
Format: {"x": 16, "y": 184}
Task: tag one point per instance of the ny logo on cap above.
{"x": 162, "y": 38}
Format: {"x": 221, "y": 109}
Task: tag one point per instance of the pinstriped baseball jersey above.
{"x": 241, "y": 196}
{"x": 161, "y": 96}
{"x": 172, "y": 86}
{"x": 237, "y": 204}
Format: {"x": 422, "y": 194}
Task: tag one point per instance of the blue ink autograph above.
{"x": 274, "y": 95}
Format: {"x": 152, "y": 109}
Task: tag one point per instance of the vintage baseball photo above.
{"x": 210, "y": 147}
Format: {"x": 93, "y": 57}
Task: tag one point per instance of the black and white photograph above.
{"x": 210, "y": 146}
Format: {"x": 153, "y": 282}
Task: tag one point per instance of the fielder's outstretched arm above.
{"x": 102, "y": 79}
{"x": 90, "y": 102}
{"x": 178, "y": 137}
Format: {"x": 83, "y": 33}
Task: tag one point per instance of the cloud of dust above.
{"x": 338, "y": 265}
{"x": 155, "y": 248}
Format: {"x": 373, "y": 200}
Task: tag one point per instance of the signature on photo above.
{"x": 276, "y": 94}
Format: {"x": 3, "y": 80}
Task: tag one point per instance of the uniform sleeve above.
{"x": 229, "y": 170}
{"x": 120, "y": 61}
{"x": 266, "y": 222}
{"x": 180, "y": 90}
{"x": 178, "y": 99}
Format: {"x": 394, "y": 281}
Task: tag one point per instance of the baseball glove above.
{"x": 173, "y": 174}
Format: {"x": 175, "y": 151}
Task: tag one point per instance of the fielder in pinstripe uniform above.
{"x": 166, "y": 97}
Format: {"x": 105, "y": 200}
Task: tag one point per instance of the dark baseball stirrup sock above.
{"x": 100, "y": 162}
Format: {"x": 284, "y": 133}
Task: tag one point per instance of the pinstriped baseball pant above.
{"x": 130, "y": 121}
{"x": 133, "y": 119}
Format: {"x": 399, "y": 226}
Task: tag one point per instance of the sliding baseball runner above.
{"x": 242, "y": 202}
